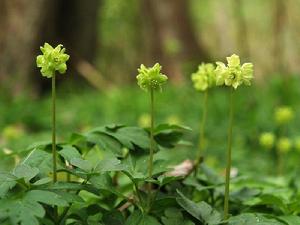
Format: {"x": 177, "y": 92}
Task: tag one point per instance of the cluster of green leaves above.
{"x": 102, "y": 180}
{"x": 103, "y": 169}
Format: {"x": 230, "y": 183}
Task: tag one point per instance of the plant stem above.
{"x": 202, "y": 133}
{"x": 151, "y": 134}
{"x": 228, "y": 166}
{"x": 54, "y": 156}
{"x": 150, "y": 166}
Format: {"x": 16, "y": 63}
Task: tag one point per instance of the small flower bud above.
{"x": 267, "y": 140}
{"x": 283, "y": 115}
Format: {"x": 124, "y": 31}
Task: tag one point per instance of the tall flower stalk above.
{"x": 229, "y": 151}
{"x": 151, "y": 133}
{"x": 52, "y": 60}
{"x": 203, "y": 79}
{"x": 151, "y": 79}
{"x": 54, "y": 153}
{"x": 232, "y": 75}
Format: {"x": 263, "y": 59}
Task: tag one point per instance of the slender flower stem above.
{"x": 54, "y": 155}
{"x": 151, "y": 134}
{"x": 150, "y": 166}
{"x": 202, "y": 133}
{"x": 228, "y": 166}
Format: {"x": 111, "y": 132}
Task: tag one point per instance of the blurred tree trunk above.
{"x": 27, "y": 24}
{"x": 279, "y": 25}
{"x": 174, "y": 41}
{"x": 20, "y": 22}
{"x": 241, "y": 25}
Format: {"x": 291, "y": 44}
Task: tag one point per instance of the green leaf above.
{"x": 39, "y": 159}
{"x": 109, "y": 165}
{"x": 169, "y": 135}
{"x": 69, "y": 152}
{"x": 138, "y": 218}
{"x": 45, "y": 180}
{"x": 174, "y": 216}
{"x": 82, "y": 164}
{"x": 290, "y": 219}
{"x": 7, "y": 182}
{"x": 42, "y": 145}
{"x": 113, "y": 218}
{"x": 27, "y": 209}
{"x": 21, "y": 211}
{"x": 269, "y": 200}
{"x": 129, "y": 137}
{"x": 68, "y": 196}
{"x": 201, "y": 211}
{"x": 252, "y": 219}
{"x": 106, "y": 143}
{"x": 25, "y": 171}
{"x": 47, "y": 197}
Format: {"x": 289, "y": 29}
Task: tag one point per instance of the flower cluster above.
{"x": 284, "y": 144}
{"x": 205, "y": 77}
{"x": 52, "y": 59}
{"x": 151, "y": 78}
{"x": 283, "y": 115}
{"x": 267, "y": 140}
{"x": 234, "y": 74}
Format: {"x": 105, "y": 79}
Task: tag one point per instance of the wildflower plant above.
{"x": 52, "y": 60}
{"x": 283, "y": 115}
{"x": 232, "y": 75}
{"x": 203, "y": 79}
{"x": 151, "y": 79}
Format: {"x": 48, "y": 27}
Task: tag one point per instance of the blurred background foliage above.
{"x": 109, "y": 39}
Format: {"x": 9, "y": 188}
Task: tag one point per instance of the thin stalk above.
{"x": 150, "y": 166}
{"x": 228, "y": 165}
{"x": 54, "y": 154}
{"x": 202, "y": 133}
{"x": 151, "y": 133}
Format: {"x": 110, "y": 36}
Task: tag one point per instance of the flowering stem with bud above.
{"x": 228, "y": 163}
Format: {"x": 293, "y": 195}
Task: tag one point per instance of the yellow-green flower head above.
{"x": 52, "y": 59}
{"x": 205, "y": 77}
{"x": 284, "y": 114}
{"x": 284, "y": 144}
{"x": 297, "y": 144}
{"x": 151, "y": 77}
{"x": 267, "y": 140}
{"x": 234, "y": 74}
